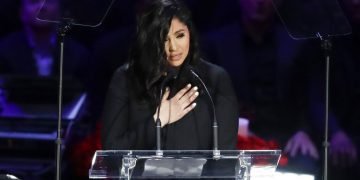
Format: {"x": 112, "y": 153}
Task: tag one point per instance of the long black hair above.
{"x": 147, "y": 61}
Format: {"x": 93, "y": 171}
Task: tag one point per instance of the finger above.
{"x": 189, "y": 98}
{"x": 188, "y": 94}
{"x": 166, "y": 94}
{"x": 189, "y": 108}
{"x": 183, "y": 91}
{"x": 194, "y": 96}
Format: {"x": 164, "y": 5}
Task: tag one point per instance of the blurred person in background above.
{"x": 33, "y": 52}
{"x": 34, "y": 49}
{"x": 344, "y": 94}
{"x": 259, "y": 55}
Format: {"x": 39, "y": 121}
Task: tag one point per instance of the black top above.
{"x": 128, "y": 122}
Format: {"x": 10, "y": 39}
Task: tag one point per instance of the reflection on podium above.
{"x": 190, "y": 164}
{"x": 173, "y": 164}
{"x": 28, "y": 121}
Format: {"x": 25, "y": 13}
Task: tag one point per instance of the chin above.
{"x": 175, "y": 65}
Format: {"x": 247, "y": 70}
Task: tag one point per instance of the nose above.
{"x": 172, "y": 46}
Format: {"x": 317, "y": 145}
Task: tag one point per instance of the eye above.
{"x": 181, "y": 35}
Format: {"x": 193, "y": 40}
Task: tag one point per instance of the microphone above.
{"x": 170, "y": 74}
{"x": 216, "y": 151}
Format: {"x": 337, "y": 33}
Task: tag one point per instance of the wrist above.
{"x": 161, "y": 122}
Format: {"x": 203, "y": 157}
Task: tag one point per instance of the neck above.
{"x": 256, "y": 29}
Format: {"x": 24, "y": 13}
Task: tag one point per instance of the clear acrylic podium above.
{"x": 185, "y": 164}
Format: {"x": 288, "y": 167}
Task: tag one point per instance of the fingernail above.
{"x": 194, "y": 104}
{"x": 197, "y": 93}
{"x": 195, "y": 88}
{"x": 188, "y": 85}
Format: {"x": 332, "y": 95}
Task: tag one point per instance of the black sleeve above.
{"x": 116, "y": 130}
{"x": 227, "y": 111}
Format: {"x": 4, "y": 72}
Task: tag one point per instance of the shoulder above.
{"x": 209, "y": 68}
{"x": 122, "y": 72}
{"x": 210, "y": 72}
{"x": 215, "y": 77}
{"x": 119, "y": 81}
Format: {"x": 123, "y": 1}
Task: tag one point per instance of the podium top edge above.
{"x": 275, "y": 152}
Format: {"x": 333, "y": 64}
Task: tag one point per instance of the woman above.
{"x": 166, "y": 44}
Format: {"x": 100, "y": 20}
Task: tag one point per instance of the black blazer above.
{"x": 129, "y": 124}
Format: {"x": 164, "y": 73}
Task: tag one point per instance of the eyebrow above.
{"x": 178, "y": 31}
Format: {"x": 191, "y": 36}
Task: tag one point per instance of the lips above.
{"x": 175, "y": 57}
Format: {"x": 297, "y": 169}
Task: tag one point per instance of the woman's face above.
{"x": 177, "y": 43}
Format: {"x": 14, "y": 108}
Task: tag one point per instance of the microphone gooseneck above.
{"x": 169, "y": 75}
{"x": 158, "y": 135}
{"x": 216, "y": 151}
